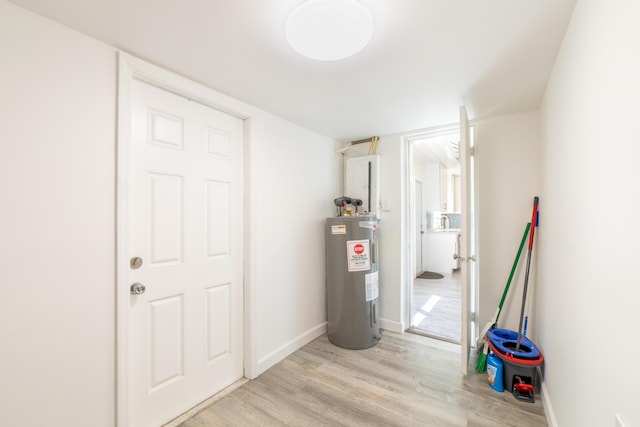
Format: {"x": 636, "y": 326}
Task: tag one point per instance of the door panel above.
{"x": 185, "y": 204}
{"x": 166, "y": 341}
{"x": 218, "y": 143}
{"x": 218, "y": 321}
{"x": 165, "y": 130}
{"x": 218, "y": 214}
{"x": 166, "y": 198}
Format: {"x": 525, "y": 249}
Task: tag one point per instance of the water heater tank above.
{"x": 352, "y": 281}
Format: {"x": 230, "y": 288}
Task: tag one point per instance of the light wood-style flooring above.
{"x": 435, "y": 307}
{"x": 406, "y": 380}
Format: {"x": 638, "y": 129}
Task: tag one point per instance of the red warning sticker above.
{"x": 358, "y": 256}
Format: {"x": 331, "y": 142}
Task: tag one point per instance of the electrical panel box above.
{"x": 362, "y": 181}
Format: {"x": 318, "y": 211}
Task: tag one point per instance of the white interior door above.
{"x": 419, "y": 231}
{"x": 185, "y": 223}
{"x": 465, "y": 254}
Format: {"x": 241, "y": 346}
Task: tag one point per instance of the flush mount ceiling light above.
{"x": 329, "y": 30}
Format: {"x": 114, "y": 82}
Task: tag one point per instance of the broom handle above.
{"x": 534, "y": 217}
{"x": 513, "y": 270}
{"x": 493, "y": 322}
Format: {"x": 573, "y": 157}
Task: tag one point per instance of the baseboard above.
{"x": 285, "y": 350}
{"x": 546, "y": 402}
{"x": 391, "y": 325}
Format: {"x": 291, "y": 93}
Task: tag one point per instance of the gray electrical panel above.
{"x": 352, "y": 281}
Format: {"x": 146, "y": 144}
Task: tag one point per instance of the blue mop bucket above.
{"x": 505, "y": 342}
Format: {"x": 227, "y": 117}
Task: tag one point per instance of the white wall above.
{"x": 294, "y": 177}
{"x": 588, "y": 277}
{"x": 431, "y": 176}
{"x": 393, "y": 247}
{"x": 392, "y": 217}
{"x": 57, "y": 166}
{"x": 507, "y": 181}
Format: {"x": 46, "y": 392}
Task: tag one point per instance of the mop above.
{"x": 481, "y": 365}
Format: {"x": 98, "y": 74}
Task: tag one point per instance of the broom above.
{"x": 481, "y": 365}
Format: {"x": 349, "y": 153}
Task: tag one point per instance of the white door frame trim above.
{"x": 415, "y": 226}
{"x": 409, "y": 220}
{"x": 130, "y": 68}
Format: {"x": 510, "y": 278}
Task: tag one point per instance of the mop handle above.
{"x": 513, "y": 270}
{"x": 526, "y": 275}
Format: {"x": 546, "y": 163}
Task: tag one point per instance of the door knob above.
{"x": 463, "y": 259}
{"x": 135, "y": 262}
{"x": 138, "y": 289}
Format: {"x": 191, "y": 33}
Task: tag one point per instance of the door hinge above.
{"x": 472, "y": 151}
{"x": 473, "y": 316}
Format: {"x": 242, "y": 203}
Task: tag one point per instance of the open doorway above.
{"x": 436, "y": 300}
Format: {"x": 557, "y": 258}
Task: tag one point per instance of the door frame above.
{"x": 410, "y": 223}
{"x": 418, "y": 223}
{"x": 130, "y": 68}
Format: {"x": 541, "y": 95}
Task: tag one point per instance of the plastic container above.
{"x": 495, "y": 375}
{"x": 506, "y": 342}
{"x": 520, "y": 362}
{"x": 524, "y": 369}
{"x": 526, "y": 373}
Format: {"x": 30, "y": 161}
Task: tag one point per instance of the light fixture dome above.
{"x": 329, "y": 30}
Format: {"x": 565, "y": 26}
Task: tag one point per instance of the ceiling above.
{"x": 442, "y": 149}
{"x": 427, "y": 57}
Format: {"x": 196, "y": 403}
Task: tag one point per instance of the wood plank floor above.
{"x": 406, "y": 380}
{"x": 435, "y": 307}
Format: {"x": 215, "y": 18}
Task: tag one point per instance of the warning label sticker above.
{"x": 372, "y": 288}
{"x": 358, "y": 255}
{"x": 368, "y": 224}
{"x": 338, "y": 229}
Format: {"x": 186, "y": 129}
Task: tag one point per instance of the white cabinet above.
{"x": 440, "y": 247}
